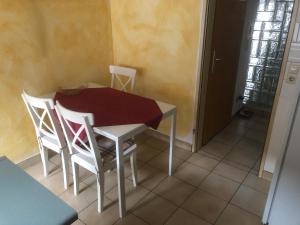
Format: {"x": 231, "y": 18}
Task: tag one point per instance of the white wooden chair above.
{"x": 48, "y": 131}
{"x": 119, "y": 73}
{"x": 93, "y": 154}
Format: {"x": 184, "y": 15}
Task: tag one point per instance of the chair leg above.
{"x": 134, "y": 169}
{"x": 100, "y": 191}
{"x": 65, "y": 167}
{"x": 75, "y": 177}
{"x": 44, "y": 156}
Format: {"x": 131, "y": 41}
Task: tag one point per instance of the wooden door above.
{"x": 225, "y": 50}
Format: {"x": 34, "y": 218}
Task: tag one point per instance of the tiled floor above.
{"x": 218, "y": 185}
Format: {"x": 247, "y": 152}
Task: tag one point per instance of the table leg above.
{"x": 172, "y": 140}
{"x": 121, "y": 184}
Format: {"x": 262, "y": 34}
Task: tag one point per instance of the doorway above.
{"x": 244, "y": 47}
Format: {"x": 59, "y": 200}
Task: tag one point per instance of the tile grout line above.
{"x": 220, "y": 161}
{"x": 197, "y": 188}
{"x": 229, "y": 201}
{"x": 177, "y": 207}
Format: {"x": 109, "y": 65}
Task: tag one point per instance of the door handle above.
{"x": 214, "y": 60}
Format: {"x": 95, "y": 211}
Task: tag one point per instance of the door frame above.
{"x": 202, "y": 70}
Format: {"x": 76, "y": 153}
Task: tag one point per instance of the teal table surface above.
{"x": 23, "y": 201}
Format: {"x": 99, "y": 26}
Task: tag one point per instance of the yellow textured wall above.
{"x": 46, "y": 44}
{"x": 160, "y": 38}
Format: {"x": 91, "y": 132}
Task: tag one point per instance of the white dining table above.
{"x": 121, "y": 133}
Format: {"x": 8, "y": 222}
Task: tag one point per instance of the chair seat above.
{"x": 107, "y": 151}
{"x": 51, "y": 143}
{"x": 107, "y": 147}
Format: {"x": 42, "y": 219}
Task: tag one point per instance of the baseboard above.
{"x": 31, "y": 160}
{"x": 35, "y": 158}
{"x": 164, "y": 137}
{"x": 267, "y": 175}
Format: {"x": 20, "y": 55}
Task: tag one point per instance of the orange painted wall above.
{"x": 45, "y": 45}
{"x": 161, "y": 39}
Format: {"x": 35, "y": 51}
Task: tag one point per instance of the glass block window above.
{"x": 269, "y": 37}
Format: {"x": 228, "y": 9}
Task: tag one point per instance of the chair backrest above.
{"x": 75, "y": 124}
{"x": 45, "y": 121}
{"x": 128, "y": 75}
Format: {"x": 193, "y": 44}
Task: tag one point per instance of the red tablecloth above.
{"x": 112, "y": 107}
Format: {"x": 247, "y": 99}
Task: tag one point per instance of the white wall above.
{"x": 244, "y": 55}
{"x": 286, "y": 104}
{"x": 283, "y": 201}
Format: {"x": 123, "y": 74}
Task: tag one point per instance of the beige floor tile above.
{"x": 110, "y": 181}
{"x": 157, "y": 143}
{"x": 254, "y": 172}
{"x": 55, "y": 182}
{"x": 236, "y": 165}
{"x": 203, "y": 153}
{"x": 205, "y": 205}
{"x": 83, "y": 173}
{"x": 216, "y": 148}
{"x": 257, "y": 135}
{"x": 56, "y": 159}
{"x": 257, "y": 183}
{"x": 250, "y": 145}
{"x": 154, "y": 210}
{"x": 85, "y": 197}
{"x": 127, "y": 167}
{"x": 133, "y": 194}
{"x": 261, "y": 117}
{"x": 146, "y": 153}
{"x": 174, "y": 190}
{"x": 36, "y": 170}
{"x": 141, "y": 138}
{"x": 245, "y": 158}
{"x": 258, "y": 125}
{"x": 203, "y": 161}
{"x": 181, "y": 154}
{"x": 233, "y": 215}
{"x": 191, "y": 174}
{"x": 162, "y": 162}
{"x": 109, "y": 216}
{"x": 230, "y": 172}
{"x": 149, "y": 177}
{"x": 228, "y": 138}
{"x": 257, "y": 165}
{"x": 219, "y": 186}
{"x": 130, "y": 220}
{"x": 182, "y": 217}
{"x": 237, "y": 127}
{"x": 250, "y": 200}
{"x": 78, "y": 222}
{"x": 256, "y": 168}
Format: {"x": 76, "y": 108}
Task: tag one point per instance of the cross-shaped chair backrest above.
{"x": 124, "y": 76}
{"x": 75, "y": 125}
{"x": 45, "y": 122}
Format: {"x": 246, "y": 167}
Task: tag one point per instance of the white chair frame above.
{"x": 117, "y": 72}
{"x": 87, "y": 153}
{"x": 48, "y": 132}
